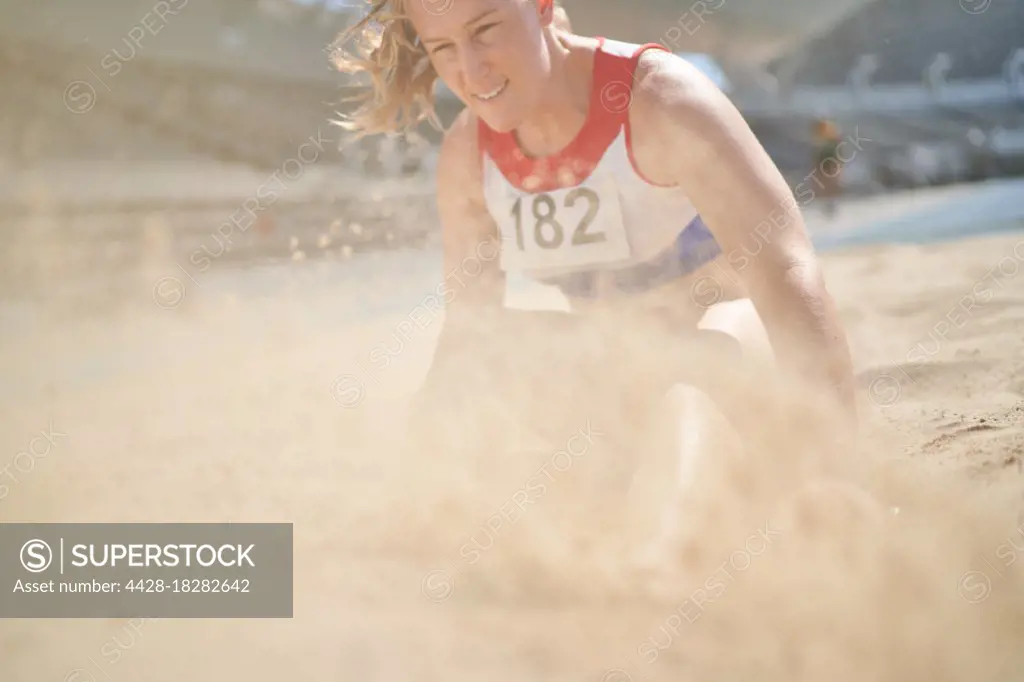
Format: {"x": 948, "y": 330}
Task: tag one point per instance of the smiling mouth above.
{"x": 487, "y": 96}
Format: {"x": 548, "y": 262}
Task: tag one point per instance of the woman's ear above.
{"x": 545, "y": 8}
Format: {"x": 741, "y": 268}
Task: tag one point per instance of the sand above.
{"x": 226, "y": 408}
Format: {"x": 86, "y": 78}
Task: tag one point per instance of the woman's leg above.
{"x": 700, "y": 437}
{"x": 705, "y": 468}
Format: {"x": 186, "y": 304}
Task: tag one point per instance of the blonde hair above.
{"x": 384, "y": 45}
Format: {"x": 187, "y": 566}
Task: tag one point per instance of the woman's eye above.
{"x": 440, "y": 48}
{"x": 483, "y": 29}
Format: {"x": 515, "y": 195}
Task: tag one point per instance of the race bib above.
{"x": 570, "y": 227}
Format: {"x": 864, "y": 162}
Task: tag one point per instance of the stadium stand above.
{"x": 39, "y": 127}
{"x": 905, "y": 36}
{"x": 248, "y": 86}
{"x": 927, "y": 82}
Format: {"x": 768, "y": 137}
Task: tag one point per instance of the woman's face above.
{"x": 490, "y": 53}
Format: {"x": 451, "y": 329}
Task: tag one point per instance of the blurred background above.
{"x": 134, "y": 127}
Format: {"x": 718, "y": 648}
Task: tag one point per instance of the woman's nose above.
{"x": 476, "y": 69}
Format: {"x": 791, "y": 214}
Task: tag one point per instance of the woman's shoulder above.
{"x": 664, "y": 80}
{"x": 671, "y": 96}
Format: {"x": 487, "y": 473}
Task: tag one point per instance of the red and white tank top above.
{"x": 585, "y": 219}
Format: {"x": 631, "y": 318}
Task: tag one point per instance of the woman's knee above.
{"x": 740, "y": 320}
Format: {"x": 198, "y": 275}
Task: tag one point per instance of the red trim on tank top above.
{"x": 629, "y": 129}
{"x": 607, "y": 115}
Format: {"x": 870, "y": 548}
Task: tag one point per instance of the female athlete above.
{"x": 615, "y": 172}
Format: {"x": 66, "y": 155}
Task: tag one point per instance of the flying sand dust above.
{"x": 495, "y": 534}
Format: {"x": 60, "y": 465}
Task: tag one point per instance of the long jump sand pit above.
{"x": 414, "y": 561}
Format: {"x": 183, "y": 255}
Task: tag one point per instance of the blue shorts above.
{"x": 695, "y": 246}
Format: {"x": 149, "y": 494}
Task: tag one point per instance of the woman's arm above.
{"x": 473, "y": 288}
{"x": 706, "y": 147}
